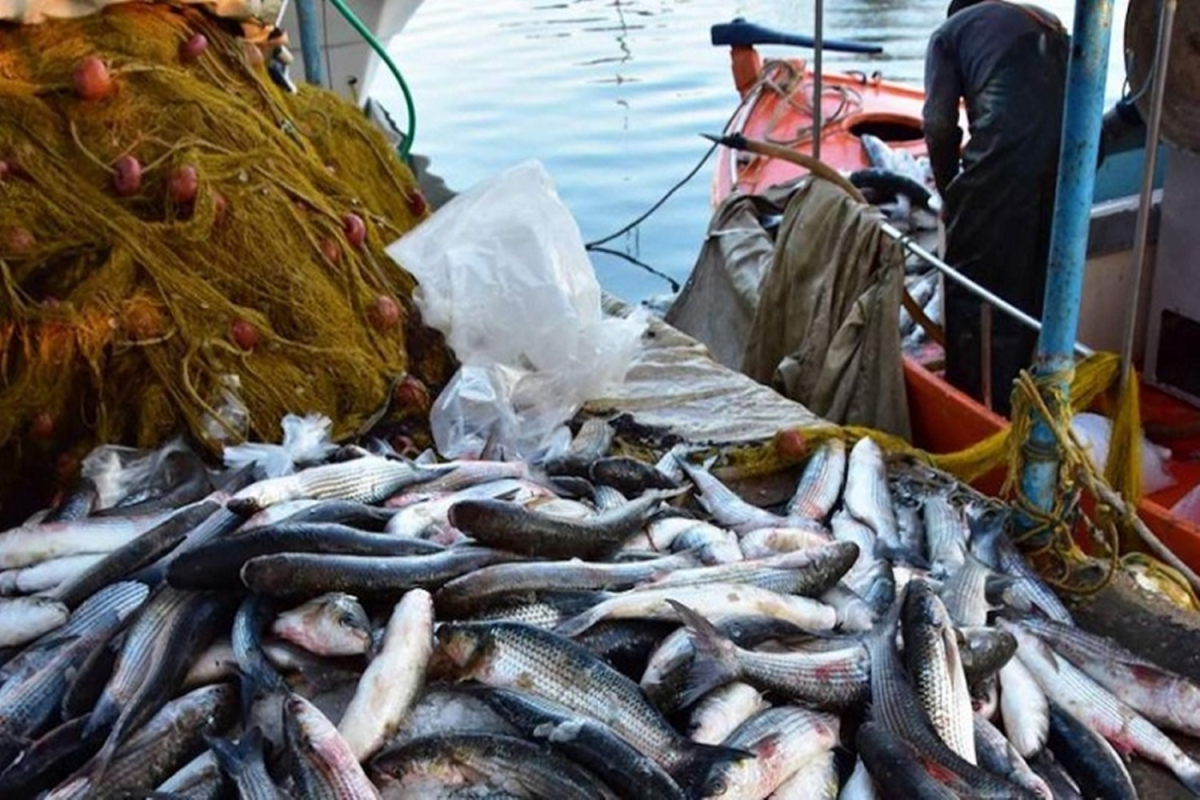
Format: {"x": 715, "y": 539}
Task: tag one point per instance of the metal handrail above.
{"x": 974, "y": 288}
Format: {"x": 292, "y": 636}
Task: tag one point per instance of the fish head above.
{"x": 923, "y": 606}
{"x": 333, "y": 624}
{"x": 985, "y": 650}
{"x": 300, "y": 723}
{"x": 465, "y": 646}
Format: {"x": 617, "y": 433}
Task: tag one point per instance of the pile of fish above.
{"x": 593, "y": 626}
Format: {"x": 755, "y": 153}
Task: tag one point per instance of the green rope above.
{"x": 410, "y": 107}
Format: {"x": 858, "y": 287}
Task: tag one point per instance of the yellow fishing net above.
{"x": 123, "y": 313}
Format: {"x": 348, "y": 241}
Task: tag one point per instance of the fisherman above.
{"x": 1008, "y": 61}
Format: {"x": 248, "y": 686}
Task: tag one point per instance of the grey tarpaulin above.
{"x": 674, "y": 386}
{"x": 718, "y": 303}
{"x": 824, "y": 329}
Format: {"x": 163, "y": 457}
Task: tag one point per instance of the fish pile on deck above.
{"x": 592, "y": 626}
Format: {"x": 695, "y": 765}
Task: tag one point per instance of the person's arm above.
{"x": 943, "y": 89}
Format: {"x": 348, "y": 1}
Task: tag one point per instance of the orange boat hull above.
{"x": 852, "y": 106}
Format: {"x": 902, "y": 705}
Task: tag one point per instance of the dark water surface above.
{"x": 611, "y": 96}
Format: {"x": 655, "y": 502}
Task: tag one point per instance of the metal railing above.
{"x": 950, "y": 272}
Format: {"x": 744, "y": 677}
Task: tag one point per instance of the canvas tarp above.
{"x": 813, "y": 312}
{"x": 675, "y": 387}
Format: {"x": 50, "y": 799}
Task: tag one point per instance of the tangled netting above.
{"x": 126, "y": 305}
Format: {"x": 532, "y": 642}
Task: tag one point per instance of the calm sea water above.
{"x": 612, "y": 96}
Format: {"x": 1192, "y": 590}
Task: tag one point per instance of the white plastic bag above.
{"x": 1095, "y": 432}
{"x": 504, "y": 275}
{"x": 305, "y": 439}
{"x": 1188, "y": 506}
{"x": 116, "y": 470}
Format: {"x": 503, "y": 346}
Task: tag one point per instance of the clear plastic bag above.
{"x": 305, "y": 439}
{"x": 1095, "y": 433}
{"x": 504, "y": 275}
{"x": 232, "y": 419}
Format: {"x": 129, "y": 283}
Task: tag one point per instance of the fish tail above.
{"x": 714, "y": 662}
{"x": 104, "y": 714}
{"x": 577, "y": 624}
{"x": 231, "y": 757}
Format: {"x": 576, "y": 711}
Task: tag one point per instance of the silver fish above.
{"x": 31, "y": 544}
{"x": 821, "y": 482}
{"x": 414, "y": 520}
{"x": 119, "y": 599}
{"x": 475, "y": 764}
{"x": 965, "y": 593}
{"x": 46, "y": 574}
{"x": 727, "y": 508}
{"x": 507, "y": 655}
{"x": 834, "y": 679}
{"x": 806, "y": 572}
{"x": 817, "y": 779}
{"x": 931, "y": 654}
{"x": 474, "y": 590}
{"x": 946, "y": 534}
{"x": 996, "y": 754}
{"x": 772, "y": 541}
{"x": 867, "y": 497}
{"x": 368, "y": 480}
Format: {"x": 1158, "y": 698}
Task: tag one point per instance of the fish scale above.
{"x": 807, "y": 572}
{"x": 867, "y": 497}
{"x": 365, "y": 480}
{"x": 513, "y": 656}
{"x": 170, "y": 630}
{"x": 587, "y": 742}
{"x": 965, "y": 594}
{"x": 510, "y": 766}
{"x": 834, "y": 679}
{"x": 462, "y": 595}
{"x": 946, "y": 534}
{"x": 119, "y": 598}
{"x": 931, "y": 654}
{"x": 821, "y": 482}
{"x": 997, "y": 755}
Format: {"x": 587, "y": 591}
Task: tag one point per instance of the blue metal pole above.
{"x": 1082, "y": 116}
{"x": 310, "y": 41}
